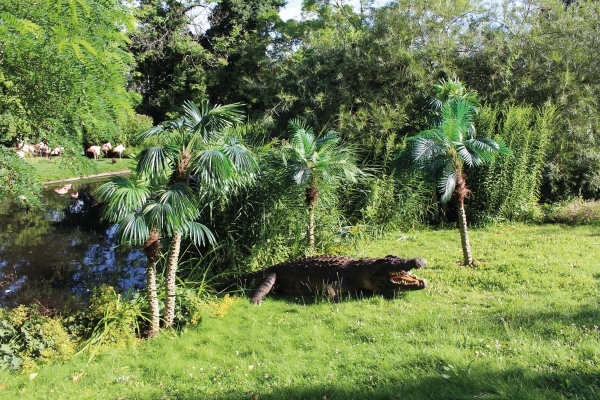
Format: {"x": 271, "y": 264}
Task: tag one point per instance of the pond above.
{"x": 55, "y": 257}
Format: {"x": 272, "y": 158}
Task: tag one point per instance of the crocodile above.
{"x": 338, "y": 274}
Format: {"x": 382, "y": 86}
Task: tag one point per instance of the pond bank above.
{"x": 101, "y": 175}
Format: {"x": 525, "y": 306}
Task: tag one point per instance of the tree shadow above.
{"x": 473, "y": 383}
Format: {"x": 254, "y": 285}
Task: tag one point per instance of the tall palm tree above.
{"x": 196, "y": 157}
{"x": 313, "y": 161}
{"x": 145, "y": 213}
{"x": 444, "y": 150}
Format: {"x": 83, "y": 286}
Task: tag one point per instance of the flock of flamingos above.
{"x": 43, "y": 150}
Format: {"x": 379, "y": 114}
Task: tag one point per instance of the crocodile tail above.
{"x": 264, "y": 289}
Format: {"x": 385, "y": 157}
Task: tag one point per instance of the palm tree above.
{"x": 315, "y": 161}
{"x": 196, "y": 157}
{"x": 145, "y": 213}
{"x": 444, "y": 150}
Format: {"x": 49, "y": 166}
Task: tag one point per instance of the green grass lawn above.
{"x": 55, "y": 169}
{"x": 521, "y": 325}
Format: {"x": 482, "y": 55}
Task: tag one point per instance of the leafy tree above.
{"x": 315, "y": 161}
{"x": 64, "y": 64}
{"x": 170, "y": 60}
{"x": 444, "y": 150}
{"x": 63, "y": 70}
{"x": 15, "y": 180}
{"x": 239, "y": 39}
{"x": 543, "y": 51}
{"x": 197, "y": 156}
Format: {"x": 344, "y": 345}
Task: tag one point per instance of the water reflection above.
{"x": 55, "y": 257}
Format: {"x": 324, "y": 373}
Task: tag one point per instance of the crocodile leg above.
{"x": 264, "y": 289}
{"x": 334, "y": 290}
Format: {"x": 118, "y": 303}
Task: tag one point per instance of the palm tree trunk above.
{"x": 464, "y": 234}
{"x": 462, "y": 192}
{"x": 153, "y": 299}
{"x": 170, "y": 281}
{"x": 312, "y": 194}
{"x": 311, "y": 229}
{"x": 151, "y": 248}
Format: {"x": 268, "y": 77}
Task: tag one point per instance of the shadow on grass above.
{"x": 321, "y": 298}
{"x": 453, "y": 385}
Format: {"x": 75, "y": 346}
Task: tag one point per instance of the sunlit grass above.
{"x": 52, "y": 169}
{"x": 521, "y": 325}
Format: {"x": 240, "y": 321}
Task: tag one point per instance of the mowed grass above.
{"x": 56, "y": 168}
{"x": 521, "y": 325}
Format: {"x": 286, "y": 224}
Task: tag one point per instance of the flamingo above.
{"x": 41, "y": 148}
{"x": 119, "y": 149}
{"x": 57, "y": 151}
{"x": 95, "y": 150}
{"x": 26, "y": 148}
{"x": 106, "y": 147}
{"x": 63, "y": 189}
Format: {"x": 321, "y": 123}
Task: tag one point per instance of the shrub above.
{"x": 509, "y": 187}
{"x": 27, "y": 337}
{"x": 116, "y": 319}
{"x": 574, "y": 212}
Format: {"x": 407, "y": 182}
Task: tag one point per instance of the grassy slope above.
{"x": 522, "y": 325}
{"x": 52, "y": 169}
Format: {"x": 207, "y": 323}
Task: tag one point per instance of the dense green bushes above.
{"x": 27, "y": 336}
{"x": 509, "y": 188}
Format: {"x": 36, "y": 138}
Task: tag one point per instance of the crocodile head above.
{"x": 394, "y": 273}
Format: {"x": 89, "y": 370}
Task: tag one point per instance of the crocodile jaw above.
{"x": 406, "y": 280}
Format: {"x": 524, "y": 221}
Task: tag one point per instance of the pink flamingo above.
{"x": 57, "y": 151}
{"x": 119, "y": 149}
{"x": 106, "y": 147}
{"x": 63, "y": 189}
{"x": 95, "y": 150}
{"x": 26, "y": 148}
{"x": 41, "y": 148}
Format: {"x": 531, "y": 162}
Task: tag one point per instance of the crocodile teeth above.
{"x": 405, "y": 279}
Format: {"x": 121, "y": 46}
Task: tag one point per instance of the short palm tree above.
{"x": 314, "y": 161}
{"x": 198, "y": 156}
{"x": 145, "y": 213}
{"x": 444, "y": 150}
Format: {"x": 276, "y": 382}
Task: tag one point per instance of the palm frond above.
{"x": 155, "y": 130}
{"x": 447, "y": 184}
{"x": 457, "y": 120}
{"x": 212, "y": 165}
{"x": 179, "y": 197}
{"x": 199, "y": 234}
{"x": 133, "y": 230}
{"x": 301, "y": 175}
{"x": 210, "y": 122}
{"x": 328, "y": 143}
{"x": 158, "y": 161}
{"x": 241, "y": 158}
{"x": 468, "y": 158}
{"x": 155, "y": 215}
{"x": 302, "y": 138}
{"x": 428, "y": 145}
{"x": 121, "y": 197}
